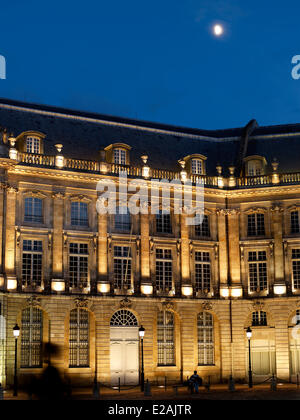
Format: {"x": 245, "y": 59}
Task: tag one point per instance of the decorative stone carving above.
{"x": 18, "y": 236}
{"x": 109, "y": 243}
{"x": 242, "y": 252}
{"x": 285, "y": 247}
{"x": 80, "y": 197}
{"x": 191, "y": 249}
{"x": 254, "y": 210}
{"x": 206, "y": 306}
{"x": 95, "y": 243}
{"x": 178, "y": 246}
{"x": 81, "y": 303}
{"x": 35, "y": 194}
{"x": 138, "y": 245}
{"x": 65, "y": 239}
{"x": 277, "y": 207}
{"x": 216, "y": 249}
{"x": 49, "y": 240}
{"x": 167, "y": 305}
{"x": 58, "y": 195}
{"x": 151, "y": 246}
{"x": 11, "y": 189}
{"x": 125, "y": 303}
{"x": 228, "y": 212}
{"x": 271, "y": 246}
{"x": 258, "y": 305}
{"x": 34, "y": 301}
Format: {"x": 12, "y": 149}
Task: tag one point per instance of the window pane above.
{"x": 33, "y": 209}
{"x": 31, "y": 337}
{"x": 79, "y": 338}
{"x": 79, "y": 214}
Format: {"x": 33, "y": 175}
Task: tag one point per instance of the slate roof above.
{"x": 84, "y": 134}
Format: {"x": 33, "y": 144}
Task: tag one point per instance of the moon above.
{"x": 218, "y": 30}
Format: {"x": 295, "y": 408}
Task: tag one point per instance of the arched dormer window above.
{"x": 118, "y": 153}
{"x": 255, "y": 165}
{"x": 195, "y": 164}
{"x": 30, "y": 142}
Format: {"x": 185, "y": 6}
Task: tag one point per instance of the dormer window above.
{"x": 118, "y": 153}
{"x": 197, "y": 166}
{"x": 120, "y": 156}
{"x": 194, "y": 164}
{"x": 255, "y": 165}
{"x": 33, "y": 145}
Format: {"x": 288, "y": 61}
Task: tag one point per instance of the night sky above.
{"x": 156, "y": 60}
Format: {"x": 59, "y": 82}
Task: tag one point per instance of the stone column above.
{"x": 185, "y": 251}
{"x": 10, "y": 237}
{"x": 276, "y": 212}
{"x": 223, "y": 266}
{"x": 1, "y": 233}
{"x": 58, "y": 224}
{"x": 145, "y": 249}
{"x": 234, "y": 246}
{"x": 102, "y": 248}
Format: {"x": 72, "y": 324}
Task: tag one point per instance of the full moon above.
{"x": 218, "y": 30}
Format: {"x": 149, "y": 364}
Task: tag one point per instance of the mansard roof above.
{"x": 84, "y": 134}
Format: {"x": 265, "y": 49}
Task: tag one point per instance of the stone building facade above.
{"x": 86, "y": 281}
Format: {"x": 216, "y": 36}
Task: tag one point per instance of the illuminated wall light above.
{"x": 236, "y": 292}
{"x": 58, "y": 285}
{"x": 146, "y": 289}
{"x": 103, "y": 167}
{"x": 11, "y": 283}
{"x": 224, "y": 292}
{"x": 13, "y": 154}
{"x": 103, "y": 287}
{"x": 187, "y": 290}
{"x": 280, "y": 289}
{"x": 146, "y": 171}
{"x": 59, "y": 161}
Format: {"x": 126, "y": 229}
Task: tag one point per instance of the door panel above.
{"x": 124, "y": 355}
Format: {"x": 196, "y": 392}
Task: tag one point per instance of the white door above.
{"x": 124, "y": 355}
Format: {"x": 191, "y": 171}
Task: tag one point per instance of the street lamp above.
{"x": 16, "y": 332}
{"x": 141, "y": 334}
{"x": 249, "y": 335}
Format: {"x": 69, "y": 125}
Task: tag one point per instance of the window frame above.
{"x": 79, "y": 341}
{"x": 164, "y": 345}
{"x": 208, "y": 344}
{"x": 31, "y": 342}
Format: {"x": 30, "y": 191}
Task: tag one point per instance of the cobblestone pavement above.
{"x": 216, "y": 392}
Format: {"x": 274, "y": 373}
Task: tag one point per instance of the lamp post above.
{"x": 16, "y": 332}
{"x": 249, "y": 335}
{"x": 141, "y": 334}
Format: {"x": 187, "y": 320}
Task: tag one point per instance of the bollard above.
{"x": 207, "y": 385}
{"x": 147, "y": 391}
{"x": 273, "y": 383}
{"x": 165, "y": 383}
{"x": 119, "y": 384}
{"x": 231, "y": 384}
{"x": 1, "y": 392}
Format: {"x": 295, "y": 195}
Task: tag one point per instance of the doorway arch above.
{"x": 124, "y": 348}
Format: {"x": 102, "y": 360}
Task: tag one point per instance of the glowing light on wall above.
{"x": 147, "y": 289}
{"x": 187, "y": 290}
{"x": 103, "y": 287}
{"x": 58, "y": 285}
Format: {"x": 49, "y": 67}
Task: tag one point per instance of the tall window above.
{"x": 259, "y": 319}
{"x": 202, "y": 271}
{"x": 122, "y": 267}
{"x": 79, "y": 213}
{"x": 197, "y": 166}
{"x": 120, "y": 156}
{"x": 122, "y": 219}
{"x": 32, "y": 263}
{"x": 258, "y": 277}
{"x": 163, "y": 222}
{"x": 33, "y": 145}
{"x": 33, "y": 210}
{"x": 295, "y": 227}
{"x": 165, "y": 338}
{"x": 296, "y": 268}
{"x": 31, "y": 337}
{"x": 78, "y": 265}
{"x": 163, "y": 269}
{"x": 255, "y": 168}
{"x": 205, "y": 339}
{"x": 202, "y": 229}
{"x": 79, "y": 338}
{"x": 256, "y": 224}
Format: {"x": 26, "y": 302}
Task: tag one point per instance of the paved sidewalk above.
{"x": 216, "y": 392}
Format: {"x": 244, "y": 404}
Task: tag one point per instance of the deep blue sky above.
{"x": 156, "y": 60}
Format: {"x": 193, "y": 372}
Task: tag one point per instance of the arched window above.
{"x": 31, "y": 337}
{"x": 33, "y": 145}
{"x": 205, "y": 339}
{"x": 165, "y": 338}
{"x": 123, "y": 318}
{"x": 259, "y": 319}
{"x": 79, "y": 338}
